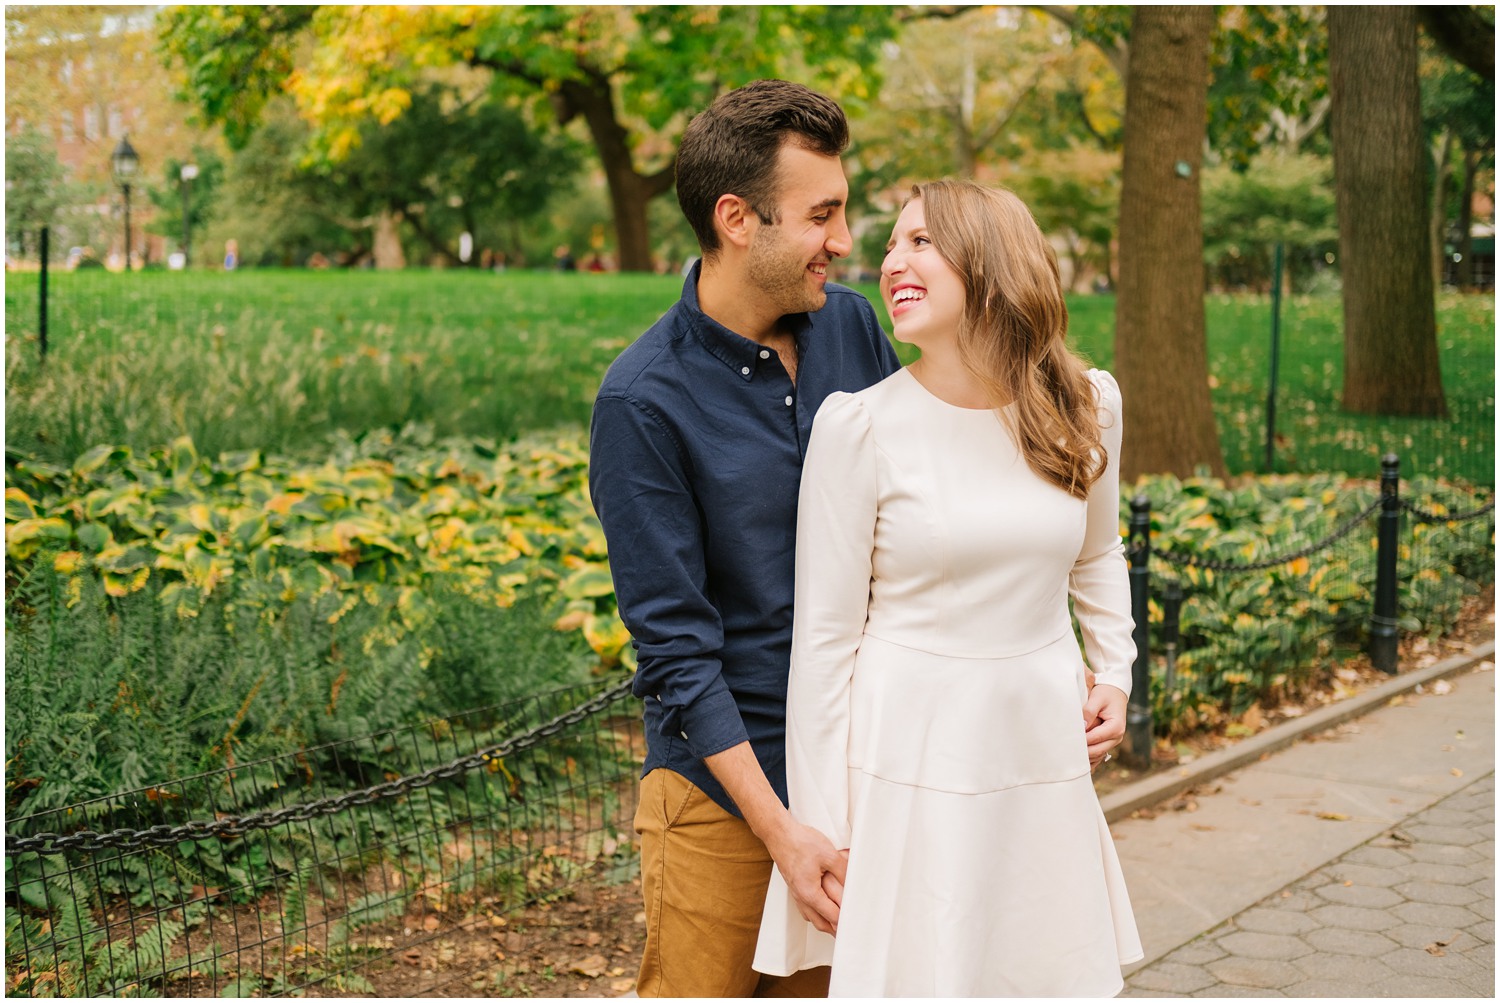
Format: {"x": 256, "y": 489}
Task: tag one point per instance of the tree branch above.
{"x": 1464, "y": 35}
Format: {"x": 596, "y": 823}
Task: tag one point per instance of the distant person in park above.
{"x": 231, "y": 254}
{"x": 564, "y": 259}
{"x": 696, "y": 452}
{"x": 941, "y": 728}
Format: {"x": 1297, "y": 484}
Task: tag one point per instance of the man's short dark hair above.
{"x": 732, "y": 148}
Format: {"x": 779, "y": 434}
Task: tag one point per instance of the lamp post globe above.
{"x": 125, "y": 162}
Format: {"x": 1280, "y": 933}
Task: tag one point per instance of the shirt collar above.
{"x": 734, "y": 350}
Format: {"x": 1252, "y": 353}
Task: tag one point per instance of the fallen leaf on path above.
{"x": 1333, "y": 816}
{"x": 431, "y": 923}
{"x": 1456, "y": 772}
{"x": 412, "y": 957}
{"x": 593, "y": 966}
{"x": 1203, "y": 828}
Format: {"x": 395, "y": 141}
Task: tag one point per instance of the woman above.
{"x": 938, "y": 716}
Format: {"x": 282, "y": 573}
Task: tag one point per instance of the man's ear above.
{"x": 734, "y": 220}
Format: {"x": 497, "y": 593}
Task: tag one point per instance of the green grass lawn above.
{"x": 279, "y": 360}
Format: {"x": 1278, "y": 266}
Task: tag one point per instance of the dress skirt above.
{"x": 980, "y": 863}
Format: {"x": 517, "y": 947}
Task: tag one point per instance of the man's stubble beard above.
{"x": 782, "y": 275}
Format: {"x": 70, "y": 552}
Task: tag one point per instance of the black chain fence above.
{"x": 1222, "y": 639}
{"x": 315, "y": 870}
{"x": 312, "y": 872}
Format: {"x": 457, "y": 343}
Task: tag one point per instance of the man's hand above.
{"x": 1103, "y": 720}
{"x": 811, "y": 866}
{"x": 803, "y": 854}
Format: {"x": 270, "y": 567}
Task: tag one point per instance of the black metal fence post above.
{"x": 1275, "y": 362}
{"x": 1383, "y": 619}
{"x": 42, "y": 295}
{"x": 1136, "y": 750}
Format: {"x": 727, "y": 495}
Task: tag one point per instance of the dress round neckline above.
{"x": 906, "y": 371}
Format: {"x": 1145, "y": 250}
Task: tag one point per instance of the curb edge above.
{"x": 1121, "y": 803}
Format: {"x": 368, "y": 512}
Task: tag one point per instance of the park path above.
{"x": 1357, "y": 862}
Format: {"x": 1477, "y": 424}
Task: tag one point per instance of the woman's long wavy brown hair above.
{"x": 1015, "y": 323}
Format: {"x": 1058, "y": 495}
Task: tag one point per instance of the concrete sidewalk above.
{"x": 1355, "y": 862}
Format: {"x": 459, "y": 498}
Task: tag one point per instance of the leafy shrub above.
{"x": 1250, "y": 637}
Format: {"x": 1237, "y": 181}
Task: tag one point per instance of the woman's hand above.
{"x": 832, "y": 886}
{"x": 1103, "y": 720}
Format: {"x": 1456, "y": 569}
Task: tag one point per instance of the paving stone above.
{"x": 1485, "y": 933}
{"x": 1198, "y": 952}
{"x": 1263, "y": 919}
{"x": 1453, "y": 874}
{"x": 1346, "y": 968}
{"x": 1441, "y": 894}
{"x": 1419, "y": 935}
{"x": 1357, "y": 942}
{"x": 1446, "y": 815}
{"x": 1237, "y": 992}
{"x": 1414, "y": 986}
{"x": 1319, "y": 989}
{"x": 1432, "y": 914}
{"x": 1269, "y": 946}
{"x": 1376, "y": 877}
{"x": 1377, "y": 856}
{"x": 1132, "y": 993}
{"x": 1173, "y": 978}
{"x": 1254, "y": 973}
{"x": 1352, "y": 917}
{"x": 1436, "y": 854}
{"x": 1414, "y": 961}
{"x": 1484, "y": 908}
{"x": 1369, "y": 898}
{"x": 1445, "y": 835}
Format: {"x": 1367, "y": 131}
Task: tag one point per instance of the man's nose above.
{"x": 840, "y": 242}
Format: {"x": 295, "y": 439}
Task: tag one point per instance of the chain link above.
{"x": 1423, "y": 515}
{"x": 1187, "y": 560}
{"x": 169, "y": 835}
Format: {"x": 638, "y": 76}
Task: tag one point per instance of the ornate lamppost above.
{"x": 126, "y": 162}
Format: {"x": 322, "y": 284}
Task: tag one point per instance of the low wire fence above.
{"x": 307, "y": 872}
{"x": 1231, "y": 622}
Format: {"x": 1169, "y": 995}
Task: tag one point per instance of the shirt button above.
{"x": 764, "y": 354}
{"x": 788, "y": 402}
{"x": 745, "y": 371}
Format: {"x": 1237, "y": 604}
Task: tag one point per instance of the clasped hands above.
{"x": 814, "y": 872}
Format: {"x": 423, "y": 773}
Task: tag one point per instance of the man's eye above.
{"x": 821, "y": 219}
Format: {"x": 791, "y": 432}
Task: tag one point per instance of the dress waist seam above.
{"x": 992, "y": 790}
{"x": 1068, "y": 633}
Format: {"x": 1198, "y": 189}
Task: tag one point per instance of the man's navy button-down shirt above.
{"x": 695, "y": 459}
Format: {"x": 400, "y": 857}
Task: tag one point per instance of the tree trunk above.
{"x": 1439, "y": 215}
{"x": 630, "y": 192}
{"x": 1161, "y": 352}
{"x": 388, "y": 252}
{"x": 1390, "y": 327}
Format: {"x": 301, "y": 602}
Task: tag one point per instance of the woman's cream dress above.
{"x": 934, "y": 721}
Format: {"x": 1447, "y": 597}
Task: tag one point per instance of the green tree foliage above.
{"x": 631, "y": 74}
{"x": 201, "y": 202}
{"x": 1278, "y": 199}
{"x": 37, "y": 187}
{"x": 445, "y": 167}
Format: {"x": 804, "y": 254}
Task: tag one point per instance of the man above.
{"x": 696, "y": 453}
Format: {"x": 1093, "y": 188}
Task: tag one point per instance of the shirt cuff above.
{"x": 712, "y": 723}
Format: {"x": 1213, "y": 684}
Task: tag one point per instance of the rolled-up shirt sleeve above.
{"x": 642, "y": 493}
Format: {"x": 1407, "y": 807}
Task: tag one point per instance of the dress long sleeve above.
{"x": 835, "y": 536}
{"x": 1099, "y": 582}
{"x": 836, "y": 514}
